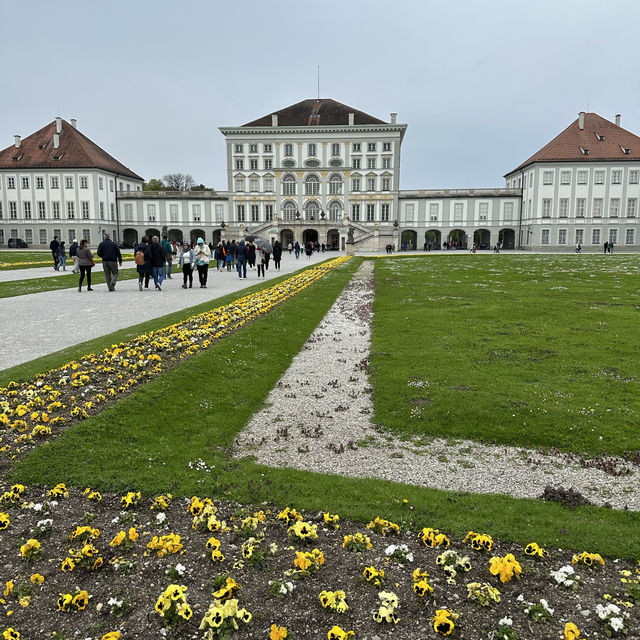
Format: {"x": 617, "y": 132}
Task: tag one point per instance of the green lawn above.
{"x": 17, "y": 259}
{"x": 536, "y": 351}
{"x": 147, "y": 440}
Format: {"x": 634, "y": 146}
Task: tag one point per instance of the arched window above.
{"x": 313, "y": 210}
{"x": 289, "y": 210}
{"x": 289, "y": 185}
{"x": 335, "y": 210}
{"x": 239, "y": 182}
{"x": 312, "y": 185}
{"x": 335, "y": 185}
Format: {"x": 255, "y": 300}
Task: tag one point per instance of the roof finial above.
{"x": 318, "y": 82}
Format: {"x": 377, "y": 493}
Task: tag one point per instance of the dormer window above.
{"x": 626, "y": 150}
{"x": 43, "y": 145}
{"x": 16, "y": 158}
{"x": 600, "y": 137}
{"x": 58, "y": 157}
{"x": 585, "y": 152}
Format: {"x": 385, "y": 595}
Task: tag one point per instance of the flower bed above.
{"x": 148, "y": 567}
{"x": 37, "y": 409}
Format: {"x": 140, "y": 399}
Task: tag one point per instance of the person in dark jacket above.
{"x": 111, "y": 259}
{"x": 144, "y": 269}
{"x": 251, "y": 254}
{"x": 219, "y": 254}
{"x": 277, "y": 254}
{"x": 241, "y": 259}
{"x": 73, "y": 250}
{"x": 86, "y": 262}
{"x": 54, "y": 251}
{"x": 158, "y": 257}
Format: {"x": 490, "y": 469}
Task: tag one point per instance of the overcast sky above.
{"x": 482, "y": 85}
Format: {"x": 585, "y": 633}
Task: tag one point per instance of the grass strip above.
{"x": 10, "y": 260}
{"x": 147, "y": 441}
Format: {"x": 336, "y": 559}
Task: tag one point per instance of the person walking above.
{"x": 610, "y": 246}
{"x": 290, "y": 247}
{"x": 72, "y": 254}
{"x": 241, "y": 259}
{"x": 203, "y": 255}
{"x": 85, "y": 260}
{"x": 53, "y": 246}
{"x": 168, "y": 252}
{"x": 260, "y": 265}
{"x": 111, "y": 259}
{"x": 187, "y": 261}
{"x": 62, "y": 257}
{"x": 277, "y": 255}
{"x": 296, "y": 248}
{"x": 606, "y": 246}
{"x": 219, "y": 255}
{"x": 158, "y": 258}
{"x": 251, "y": 254}
{"x": 143, "y": 262}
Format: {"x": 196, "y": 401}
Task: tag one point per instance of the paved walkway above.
{"x": 37, "y": 324}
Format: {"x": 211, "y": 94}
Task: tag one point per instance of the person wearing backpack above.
{"x": 187, "y": 261}
{"x": 158, "y": 258}
{"x": 168, "y": 252}
{"x": 142, "y": 257}
{"x": 219, "y": 254}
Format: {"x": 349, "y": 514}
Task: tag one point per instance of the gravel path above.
{"x": 318, "y": 418}
{"x": 37, "y": 324}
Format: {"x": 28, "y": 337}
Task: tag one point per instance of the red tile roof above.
{"x": 568, "y": 145}
{"x": 322, "y": 112}
{"x": 76, "y": 151}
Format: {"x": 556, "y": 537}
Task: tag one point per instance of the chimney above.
{"x": 351, "y": 119}
{"x": 74, "y": 123}
{"x": 394, "y": 118}
{"x": 617, "y": 119}
{"x": 58, "y": 125}
{"x": 56, "y": 140}
{"x": 274, "y": 120}
{"x": 581, "y": 120}
{"x": 17, "y": 139}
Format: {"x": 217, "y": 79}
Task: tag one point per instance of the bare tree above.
{"x": 178, "y": 181}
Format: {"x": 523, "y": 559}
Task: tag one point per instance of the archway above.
{"x": 197, "y": 233}
{"x": 286, "y": 237}
{"x": 507, "y": 238}
{"x": 459, "y": 237}
{"x": 175, "y": 235}
{"x": 409, "y": 238}
{"x": 309, "y": 235}
{"x": 152, "y": 232}
{"x": 216, "y": 236}
{"x": 129, "y": 238}
{"x": 482, "y": 238}
{"x": 433, "y": 238}
{"x": 333, "y": 239}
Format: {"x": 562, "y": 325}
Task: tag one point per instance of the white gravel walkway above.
{"x": 317, "y": 418}
{"x": 41, "y": 323}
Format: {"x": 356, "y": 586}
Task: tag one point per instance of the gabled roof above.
{"x": 315, "y": 112}
{"x": 76, "y": 151}
{"x": 569, "y": 146}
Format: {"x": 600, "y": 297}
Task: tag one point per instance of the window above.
{"x": 27, "y": 210}
{"x": 595, "y": 236}
{"x": 111, "y": 185}
{"x": 335, "y": 211}
{"x": 384, "y": 213}
{"x": 54, "y": 182}
{"x": 71, "y": 210}
{"x": 547, "y": 177}
{"x": 268, "y": 212}
{"x": 68, "y": 182}
{"x": 433, "y": 212}
{"x": 84, "y": 182}
{"x": 386, "y": 146}
{"x": 253, "y": 148}
{"x": 13, "y": 233}
{"x": 630, "y": 236}
{"x": 255, "y": 213}
{"x": 386, "y": 184}
{"x": 580, "y": 206}
{"x": 371, "y": 184}
{"x": 85, "y": 210}
{"x": 582, "y": 177}
{"x": 616, "y": 176}
{"x": 312, "y": 185}
{"x": 562, "y": 236}
{"x": 39, "y": 182}
{"x": 43, "y": 236}
{"x": 371, "y": 163}
{"x": 253, "y": 164}
{"x": 2, "y": 237}
{"x": 42, "y": 211}
{"x": 25, "y": 183}
{"x": 579, "y": 236}
{"x": 239, "y": 148}
{"x": 289, "y": 210}
{"x": 28, "y": 236}
{"x": 288, "y": 149}
{"x": 128, "y": 212}
{"x": 545, "y": 236}
{"x": 13, "y": 211}
{"x": 86, "y": 233}
{"x": 355, "y": 163}
{"x": 371, "y": 146}
{"x": 335, "y": 149}
{"x": 55, "y": 208}
{"x": 1, "y": 212}
{"x": 371, "y": 211}
{"x": 289, "y": 185}
{"x": 71, "y": 234}
{"x": 631, "y": 207}
{"x": 408, "y": 213}
{"x": 483, "y": 211}
{"x": 151, "y": 212}
{"x": 267, "y": 148}
{"x": 101, "y": 183}
{"x": 239, "y": 182}
{"x": 355, "y": 184}
{"x": 633, "y": 177}
{"x": 356, "y": 146}
{"x": 239, "y": 165}
{"x": 386, "y": 163}
{"x": 597, "y": 208}
{"x": 268, "y": 164}
{"x": 254, "y": 184}
{"x": 240, "y": 212}
{"x": 196, "y": 211}
{"x": 613, "y": 236}
{"x": 268, "y": 184}
{"x": 457, "y": 212}
{"x": 11, "y": 183}
{"x": 598, "y": 177}
{"x": 311, "y": 149}
{"x": 335, "y": 185}
{"x": 355, "y": 212}
{"x": 508, "y": 210}
{"x": 614, "y": 207}
{"x": 565, "y": 177}
{"x": 112, "y": 211}
{"x": 531, "y": 179}
{"x": 219, "y": 213}
{"x": 563, "y": 210}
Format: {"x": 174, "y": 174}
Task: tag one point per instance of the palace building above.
{"x": 318, "y": 170}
